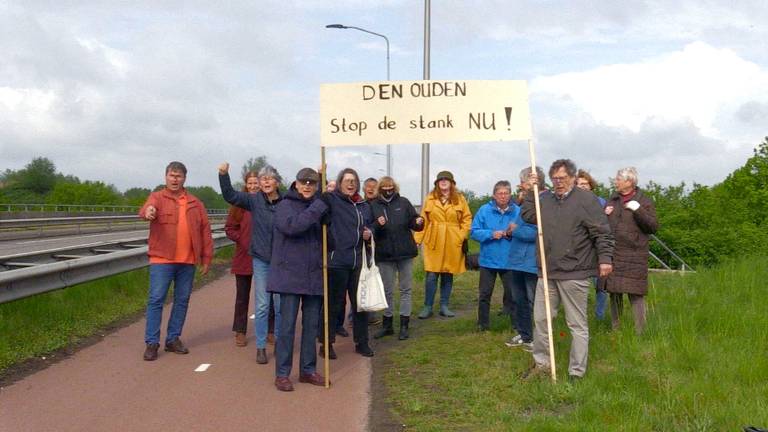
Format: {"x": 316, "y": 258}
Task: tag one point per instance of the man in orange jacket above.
{"x": 179, "y": 238}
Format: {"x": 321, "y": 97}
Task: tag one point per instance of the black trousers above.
{"x": 341, "y": 282}
{"x": 485, "y": 292}
{"x": 243, "y": 286}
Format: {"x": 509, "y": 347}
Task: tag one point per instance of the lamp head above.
{"x": 336, "y": 26}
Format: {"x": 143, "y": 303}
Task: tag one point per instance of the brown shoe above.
{"x": 175, "y": 346}
{"x": 271, "y": 338}
{"x": 150, "y": 354}
{"x": 313, "y": 378}
{"x": 240, "y": 339}
{"x": 261, "y": 356}
{"x": 283, "y": 384}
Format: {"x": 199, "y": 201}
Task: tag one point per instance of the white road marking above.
{"x": 203, "y": 367}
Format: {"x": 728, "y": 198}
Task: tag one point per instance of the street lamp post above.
{"x": 344, "y": 27}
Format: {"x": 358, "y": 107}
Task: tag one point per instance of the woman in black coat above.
{"x": 394, "y": 219}
{"x": 296, "y": 273}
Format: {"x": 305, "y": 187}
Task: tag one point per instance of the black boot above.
{"x": 386, "y": 328}
{"x": 404, "y": 320}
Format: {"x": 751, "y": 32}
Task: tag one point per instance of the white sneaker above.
{"x": 527, "y": 346}
{"x": 516, "y": 341}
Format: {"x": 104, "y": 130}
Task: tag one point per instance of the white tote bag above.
{"x": 370, "y": 288}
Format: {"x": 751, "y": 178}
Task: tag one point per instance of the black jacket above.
{"x": 394, "y": 240}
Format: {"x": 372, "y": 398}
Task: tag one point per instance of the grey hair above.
{"x": 176, "y": 166}
{"x": 570, "y": 167}
{"x": 525, "y": 172}
{"x": 629, "y": 174}
{"x": 270, "y": 171}
{"x": 502, "y": 184}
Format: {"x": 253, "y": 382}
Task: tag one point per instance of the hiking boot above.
{"x": 271, "y": 338}
{"x": 150, "y": 354}
{"x": 331, "y": 352}
{"x": 240, "y": 339}
{"x": 261, "y": 356}
{"x": 444, "y": 311}
{"x": 364, "y": 350}
{"x": 426, "y": 312}
{"x": 404, "y": 321}
{"x": 386, "y": 328}
{"x": 175, "y": 346}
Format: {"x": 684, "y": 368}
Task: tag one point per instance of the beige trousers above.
{"x": 572, "y": 294}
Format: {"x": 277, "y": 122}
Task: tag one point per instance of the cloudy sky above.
{"x": 112, "y": 90}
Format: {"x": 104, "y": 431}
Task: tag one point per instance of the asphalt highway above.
{"x": 12, "y": 247}
{"x": 108, "y": 387}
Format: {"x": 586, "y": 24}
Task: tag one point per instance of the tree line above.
{"x": 702, "y": 224}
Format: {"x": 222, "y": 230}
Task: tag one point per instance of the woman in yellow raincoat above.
{"x": 447, "y": 221}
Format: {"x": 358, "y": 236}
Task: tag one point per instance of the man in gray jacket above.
{"x": 578, "y": 244}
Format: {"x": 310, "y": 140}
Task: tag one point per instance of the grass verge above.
{"x": 701, "y": 365}
{"x": 35, "y": 326}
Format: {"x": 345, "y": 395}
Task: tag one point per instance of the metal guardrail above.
{"x": 684, "y": 267}
{"x": 80, "y": 208}
{"x": 36, "y": 227}
{"x": 41, "y": 278}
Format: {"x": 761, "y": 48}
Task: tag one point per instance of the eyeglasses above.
{"x": 349, "y": 181}
{"x": 559, "y": 179}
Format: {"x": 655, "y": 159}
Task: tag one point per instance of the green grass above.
{"x": 702, "y": 365}
{"x": 40, "y": 324}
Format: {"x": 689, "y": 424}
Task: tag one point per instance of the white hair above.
{"x": 629, "y": 174}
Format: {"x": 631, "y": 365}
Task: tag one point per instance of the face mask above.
{"x": 387, "y": 193}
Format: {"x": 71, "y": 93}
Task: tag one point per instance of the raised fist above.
{"x": 223, "y": 168}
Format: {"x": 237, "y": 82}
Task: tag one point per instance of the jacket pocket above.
{"x": 166, "y": 218}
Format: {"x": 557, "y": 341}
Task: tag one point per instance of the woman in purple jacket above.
{"x": 296, "y": 273}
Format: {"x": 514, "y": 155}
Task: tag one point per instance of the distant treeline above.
{"x": 39, "y": 183}
{"x": 702, "y": 224}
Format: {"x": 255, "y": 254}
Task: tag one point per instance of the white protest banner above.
{"x": 409, "y": 112}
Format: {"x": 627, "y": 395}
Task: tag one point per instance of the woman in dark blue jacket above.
{"x": 296, "y": 273}
{"x": 348, "y": 228}
{"x": 262, "y": 206}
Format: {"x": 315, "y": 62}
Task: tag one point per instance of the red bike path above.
{"x": 108, "y": 387}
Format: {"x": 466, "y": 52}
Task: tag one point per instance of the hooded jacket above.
{"x": 297, "y": 260}
{"x": 262, "y": 216}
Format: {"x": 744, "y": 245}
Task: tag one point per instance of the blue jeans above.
{"x": 523, "y": 291}
{"x": 160, "y": 278}
{"x": 430, "y": 287}
{"x": 261, "y": 303}
{"x": 310, "y": 317}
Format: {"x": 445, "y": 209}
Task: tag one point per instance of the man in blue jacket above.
{"x": 492, "y": 227}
